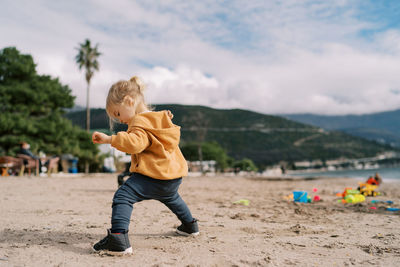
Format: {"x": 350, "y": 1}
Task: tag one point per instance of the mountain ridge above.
{"x": 383, "y": 127}
{"x": 266, "y": 139}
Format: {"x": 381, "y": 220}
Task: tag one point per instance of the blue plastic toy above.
{"x": 393, "y": 209}
{"x": 300, "y": 196}
{"x": 382, "y": 201}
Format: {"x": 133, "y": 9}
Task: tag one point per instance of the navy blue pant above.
{"x": 140, "y": 187}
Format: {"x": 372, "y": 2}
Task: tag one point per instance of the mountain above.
{"x": 98, "y": 118}
{"x": 383, "y": 127}
{"x": 245, "y": 134}
{"x": 75, "y": 108}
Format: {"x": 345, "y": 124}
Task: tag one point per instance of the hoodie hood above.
{"x": 160, "y": 126}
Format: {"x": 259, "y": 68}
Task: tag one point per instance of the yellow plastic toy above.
{"x": 354, "y": 198}
{"x": 245, "y": 202}
{"x": 351, "y": 196}
{"x": 368, "y": 189}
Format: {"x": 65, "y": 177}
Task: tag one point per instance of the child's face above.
{"x": 124, "y": 112}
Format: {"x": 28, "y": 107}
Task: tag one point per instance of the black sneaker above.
{"x": 188, "y": 229}
{"x": 114, "y": 244}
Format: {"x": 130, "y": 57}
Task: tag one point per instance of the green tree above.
{"x": 245, "y": 165}
{"x": 210, "y": 151}
{"x": 32, "y": 108}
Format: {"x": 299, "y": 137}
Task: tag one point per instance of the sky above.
{"x": 332, "y": 57}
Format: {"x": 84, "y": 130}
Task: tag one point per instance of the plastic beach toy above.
{"x": 382, "y": 201}
{"x": 300, "y": 196}
{"x": 356, "y": 198}
{"x": 245, "y": 202}
{"x": 393, "y": 209}
{"x": 317, "y": 198}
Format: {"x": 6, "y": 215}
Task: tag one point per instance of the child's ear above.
{"x": 128, "y": 100}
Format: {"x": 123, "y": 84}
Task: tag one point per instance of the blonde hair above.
{"x": 119, "y": 90}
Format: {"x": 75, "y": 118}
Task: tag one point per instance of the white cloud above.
{"x": 181, "y": 85}
{"x": 271, "y": 57}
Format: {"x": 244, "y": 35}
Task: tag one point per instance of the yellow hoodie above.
{"x": 152, "y": 140}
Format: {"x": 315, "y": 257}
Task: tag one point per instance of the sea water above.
{"x": 388, "y": 173}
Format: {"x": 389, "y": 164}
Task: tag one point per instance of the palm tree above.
{"x": 87, "y": 59}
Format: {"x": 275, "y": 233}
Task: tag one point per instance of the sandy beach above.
{"x": 54, "y": 221}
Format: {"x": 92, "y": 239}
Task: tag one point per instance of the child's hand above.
{"x": 100, "y": 138}
{"x": 170, "y": 115}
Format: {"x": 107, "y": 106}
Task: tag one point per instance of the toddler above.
{"x": 157, "y": 164}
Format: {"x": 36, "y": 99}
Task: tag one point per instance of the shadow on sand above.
{"x": 63, "y": 240}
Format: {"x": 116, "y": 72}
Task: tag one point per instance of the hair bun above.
{"x": 134, "y": 79}
{"x": 139, "y": 83}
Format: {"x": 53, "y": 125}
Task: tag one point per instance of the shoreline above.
{"x": 216, "y": 175}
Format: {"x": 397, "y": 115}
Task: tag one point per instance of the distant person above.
{"x": 126, "y": 172}
{"x": 156, "y": 162}
{"x": 44, "y": 161}
{"x": 121, "y": 177}
{"x": 25, "y": 150}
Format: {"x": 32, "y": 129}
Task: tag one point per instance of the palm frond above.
{"x": 87, "y": 58}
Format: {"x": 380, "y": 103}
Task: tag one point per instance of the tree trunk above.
{"x": 87, "y": 110}
{"x": 87, "y": 167}
{"x": 87, "y": 121}
{"x": 200, "y": 151}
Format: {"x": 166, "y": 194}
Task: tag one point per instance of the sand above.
{"x": 54, "y": 221}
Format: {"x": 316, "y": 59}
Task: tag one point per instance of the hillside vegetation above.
{"x": 263, "y": 138}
